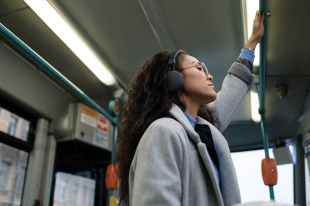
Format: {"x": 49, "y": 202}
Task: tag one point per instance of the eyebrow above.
{"x": 193, "y": 62}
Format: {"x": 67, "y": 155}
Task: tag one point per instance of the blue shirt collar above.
{"x": 191, "y": 119}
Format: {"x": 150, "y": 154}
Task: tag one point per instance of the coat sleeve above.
{"x": 235, "y": 86}
{"x": 155, "y": 174}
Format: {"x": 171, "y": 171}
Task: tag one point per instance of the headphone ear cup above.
{"x": 175, "y": 81}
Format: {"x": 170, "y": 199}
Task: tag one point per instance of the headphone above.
{"x": 174, "y": 77}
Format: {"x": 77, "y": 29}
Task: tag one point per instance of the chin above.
{"x": 206, "y": 97}
{"x": 214, "y": 95}
{"x": 212, "y": 98}
{"x": 209, "y": 98}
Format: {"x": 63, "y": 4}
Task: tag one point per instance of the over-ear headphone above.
{"x": 174, "y": 77}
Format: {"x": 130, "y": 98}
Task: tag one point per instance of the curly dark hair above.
{"x": 148, "y": 100}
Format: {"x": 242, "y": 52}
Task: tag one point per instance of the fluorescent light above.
{"x": 72, "y": 39}
{"x": 254, "y": 106}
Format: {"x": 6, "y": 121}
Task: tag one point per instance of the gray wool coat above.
{"x": 172, "y": 167}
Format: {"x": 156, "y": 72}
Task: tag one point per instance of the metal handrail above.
{"x": 51, "y": 71}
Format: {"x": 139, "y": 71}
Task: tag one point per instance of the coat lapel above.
{"x": 229, "y": 185}
{"x": 201, "y": 148}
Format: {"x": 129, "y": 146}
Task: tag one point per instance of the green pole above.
{"x": 262, "y": 89}
{"x": 52, "y": 72}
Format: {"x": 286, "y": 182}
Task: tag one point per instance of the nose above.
{"x": 210, "y": 77}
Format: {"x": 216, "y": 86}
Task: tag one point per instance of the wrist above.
{"x": 251, "y": 44}
{"x": 247, "y": 54}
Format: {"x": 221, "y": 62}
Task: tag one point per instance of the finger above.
{"x": 256, "y": 18}
{"x": 259, "y": 15}
{"x": 262, "y": 19}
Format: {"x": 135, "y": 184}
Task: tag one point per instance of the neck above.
{"x": 191, "y": 107}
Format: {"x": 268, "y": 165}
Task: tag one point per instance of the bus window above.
{"x": 13, "y": 164}
{"x": 252, "y": 188}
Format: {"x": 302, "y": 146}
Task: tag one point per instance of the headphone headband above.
{"x": 173, "y": 59}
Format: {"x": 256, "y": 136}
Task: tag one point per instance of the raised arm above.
{"x": 235, "y": 86}
{"x": 238, "y": 80}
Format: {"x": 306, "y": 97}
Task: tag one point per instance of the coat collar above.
{"x": 179, "y": 115}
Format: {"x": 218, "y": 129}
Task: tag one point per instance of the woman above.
{"x": 171, "y": 149}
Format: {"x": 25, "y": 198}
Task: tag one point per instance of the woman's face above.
{"x": 197, "y": 84}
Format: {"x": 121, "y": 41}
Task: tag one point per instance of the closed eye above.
{"x": 199, "y": 66}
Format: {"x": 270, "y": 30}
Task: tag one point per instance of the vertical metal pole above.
{"x": 114, "y": 133}
{"x": 299, "y": 174}
{"x": 47, "y": 177}
{"x": 262, "y": 88}
{"x": 36, "y": 164}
